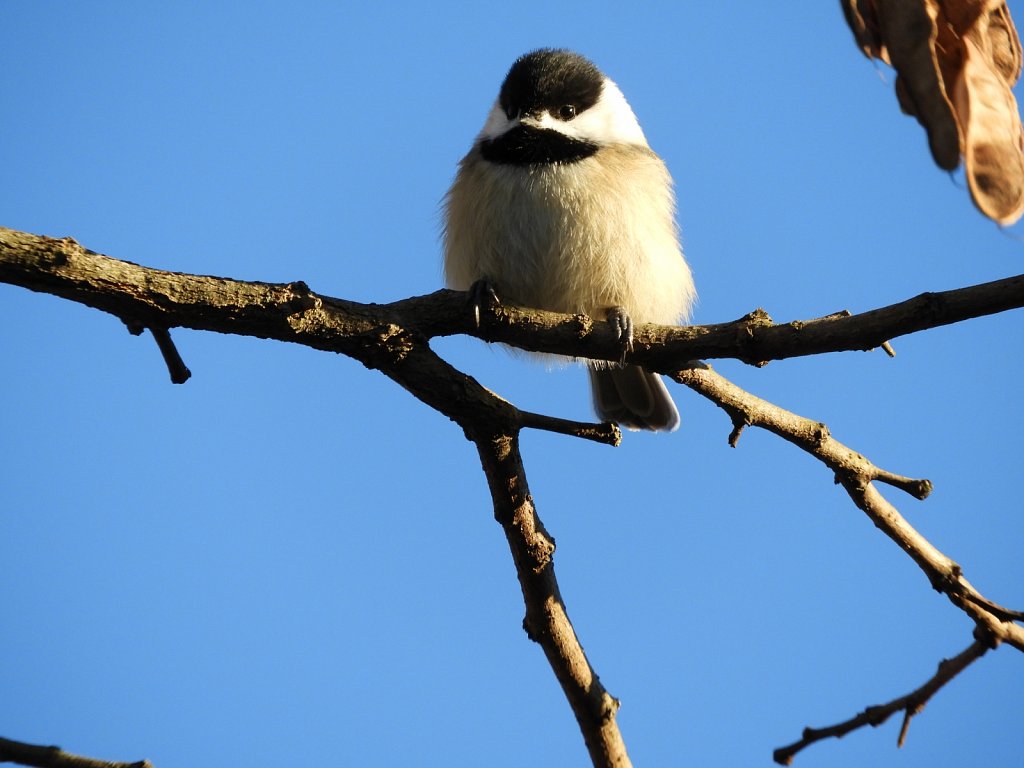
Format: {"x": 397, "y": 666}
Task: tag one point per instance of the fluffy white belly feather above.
{"x": 575, "y": 237}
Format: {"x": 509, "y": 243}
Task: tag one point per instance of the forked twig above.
{"x": 910, "y": 705}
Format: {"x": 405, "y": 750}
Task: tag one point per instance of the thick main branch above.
{"x": 291, "y": 312}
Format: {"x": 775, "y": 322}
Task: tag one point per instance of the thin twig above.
{"x": 910, "y": 705}
{"x": 746, "y": 409}
{"x": 945, "y": 574}
{"x": 604, "y": 432}
{"x": 176, "y": 367}
{"x": 918, "y": 488}
{"x": 856, "y": 474}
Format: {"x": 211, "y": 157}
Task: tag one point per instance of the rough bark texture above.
{"x": 394, "y": 339}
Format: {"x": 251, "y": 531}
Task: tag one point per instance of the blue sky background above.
{"x": 290, "y": 561}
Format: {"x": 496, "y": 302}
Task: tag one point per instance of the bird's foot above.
{"x": 623, "y": 325}
{"x": 482, "y": 295}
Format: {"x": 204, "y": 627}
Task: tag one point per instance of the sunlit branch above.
{"x": 910, "y": 705}
{"x": 857, "y": 475}
{"x": 55, "y": 757}
{"x": 394, "y": 339}
{"x": 291, "y": 312}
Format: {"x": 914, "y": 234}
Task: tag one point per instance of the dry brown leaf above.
{"x": 962, "y": 14}
{"x": 993, "y": 159}
{"x": 909, "y": 31}
{"x": 956, "y": 62}
{"x": 863, "y": 21}
{"x": 1006, "y": 52}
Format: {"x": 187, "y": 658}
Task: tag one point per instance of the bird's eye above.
{"x": 567, "y": 112}
{"x": 511, "y": 113}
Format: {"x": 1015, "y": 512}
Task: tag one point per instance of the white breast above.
{"x": 578, "y": 237}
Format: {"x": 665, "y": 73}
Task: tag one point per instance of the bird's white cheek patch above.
{"x": 609, "y": 121}
{"x": 497, "y": 124}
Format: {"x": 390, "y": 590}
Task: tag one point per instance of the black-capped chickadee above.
{"x": 561, "y": 205}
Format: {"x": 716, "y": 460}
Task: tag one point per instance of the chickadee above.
{"x": 561, "y": 205}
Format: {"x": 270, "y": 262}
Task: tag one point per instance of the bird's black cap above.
{"x": 550, "y": 78}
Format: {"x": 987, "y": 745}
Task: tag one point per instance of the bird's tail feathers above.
{"x": 633, "y": 398}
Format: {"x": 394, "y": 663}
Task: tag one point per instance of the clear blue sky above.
{"x": 290, "y": 561}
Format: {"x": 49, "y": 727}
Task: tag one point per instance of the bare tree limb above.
{"x": 293, "y": 313}
{"x": 55, "y": 757}
{"x": 546, "y": 620}
{"x": 381, "y": 338}
{"x": 745, "y": 410}
{"x": 754, "y": 339}
{"x": 394, "y": 338}
{"x": 910, "y": 705}
{"x": 994, "y": 624}
{"x": 856, "y": 474}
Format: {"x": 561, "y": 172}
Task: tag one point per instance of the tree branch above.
{"x": 856, "y": 474}
{"x": 394, "y": 338}
{"x": 754, "y": 338}
{"x": 381, "y": 337}
{"x": 55, "y": 757}
{"x": 547, "y": 622}
{"x": 605, "y": 432}
{"x": 994, "y": 624}
{"x": 293, "y": 313}
{"x": 910, "y": 705}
